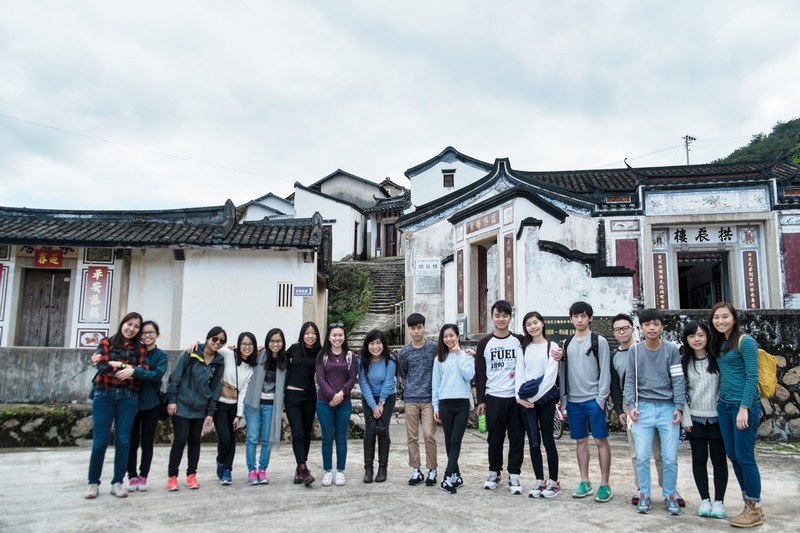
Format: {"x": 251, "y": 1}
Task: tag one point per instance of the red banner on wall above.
{"x": 47, "y": 258}
{"x": 95, "y": 295}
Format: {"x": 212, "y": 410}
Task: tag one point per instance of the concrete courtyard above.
{"x": 42, "y": 490}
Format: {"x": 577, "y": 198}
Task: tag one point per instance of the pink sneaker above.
{"x": 133, "y": 484}
{"x": 262, "y": 477}
{"x": 143, "y": 486}
{"x": 252, "y": 478}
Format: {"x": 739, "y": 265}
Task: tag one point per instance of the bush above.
{"x": 350, "y": 299}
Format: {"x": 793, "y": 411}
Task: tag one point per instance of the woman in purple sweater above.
{"x": 337, "y": 370}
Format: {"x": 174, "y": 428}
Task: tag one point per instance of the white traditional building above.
{"x": 67, "y": 277}
{"x": 680, "y": 237}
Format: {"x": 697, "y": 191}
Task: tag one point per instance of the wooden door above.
{"x": 483, "y": 288}
{"x": 43, "y": 308}
{"x": 391, "y": 240}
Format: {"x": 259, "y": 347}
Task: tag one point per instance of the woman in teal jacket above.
{"x": 194, "y": 388}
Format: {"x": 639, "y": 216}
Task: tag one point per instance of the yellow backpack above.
{"x": 767, "y": 372}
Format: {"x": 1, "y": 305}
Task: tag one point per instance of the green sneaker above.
{"x": 583, "y": 490}
{"x": 604, "y": 493}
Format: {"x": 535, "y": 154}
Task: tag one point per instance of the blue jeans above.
{"x": 740, "y": 446}
{"x": 657, "y": 417}
{"x": 334, "y": 423}
{"x": 258, "y": 423}
{"x": 119, "y": 407}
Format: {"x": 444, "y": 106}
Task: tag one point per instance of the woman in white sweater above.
{"x": 700, "y": 418}
{"x": 536, "y": 375}
{"x": 230, "y": 408}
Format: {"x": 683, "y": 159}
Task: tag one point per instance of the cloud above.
{"x": 206, "y": 101}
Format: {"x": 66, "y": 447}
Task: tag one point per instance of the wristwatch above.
{"x": 123, "y": 365}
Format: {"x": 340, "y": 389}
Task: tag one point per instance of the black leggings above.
{"x": 539, "y": 420}
{"x": 144, "y": 433}
{"x": 300, "y": 408}
{"x": 185, "y": 431}
{"x": 226, "y": 436}
{"x": 454, "y": 415}
{"x": 700, "y": 453}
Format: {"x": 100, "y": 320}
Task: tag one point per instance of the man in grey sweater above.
{"x": 655, "y": 393}
{"x": 585, "y": 385}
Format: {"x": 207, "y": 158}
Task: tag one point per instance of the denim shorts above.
{"x": 585, "y": 417}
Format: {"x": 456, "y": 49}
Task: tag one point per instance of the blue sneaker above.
{"x": 643, "y": 507}
{"x": 226, "y": 477}
{"x": 672, "y": 505}
{"x": 220, "y": 470}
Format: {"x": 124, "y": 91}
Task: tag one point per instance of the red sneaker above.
{"x": 681, "y": 501}
{"x": 172, "y": 483}
{"x": 191, "y": 482}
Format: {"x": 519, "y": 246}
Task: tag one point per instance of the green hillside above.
{"x": 784, "y": 141}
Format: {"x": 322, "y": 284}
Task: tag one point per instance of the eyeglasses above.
{"x": 218, "y": 340}
{"x": 247, "y": 345}
{"x": 623, "y": 329}
{"x": 337, "y": 325}
{"x": 276, "y": 341}
{"x": 148, "y": 333}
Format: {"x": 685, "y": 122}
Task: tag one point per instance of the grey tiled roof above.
{"x": 181, "y": 228}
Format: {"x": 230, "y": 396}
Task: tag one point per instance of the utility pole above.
{"x": 686, "y": 140}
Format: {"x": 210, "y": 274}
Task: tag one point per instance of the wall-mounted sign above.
{"x": 303, "y": 291}
{"x": 47, "y": 258}
{"x": 428, "y": 276}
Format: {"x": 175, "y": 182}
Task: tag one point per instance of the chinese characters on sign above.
{"x": 751, "y": 289}
{"x": 508, "y": 266}
{"x": 94, "y": 308}
{"x": 483, "y": 221}
{"x": 460, "y": 280}
{"x": 427, "y": 279}
{"x": 702, "y": 234}
{"x": 47, "y": 258}
{"x": 660, "y": 280}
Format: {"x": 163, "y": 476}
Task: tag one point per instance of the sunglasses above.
{"x": 337, "y": 325}
{"x": 218, "y": 340}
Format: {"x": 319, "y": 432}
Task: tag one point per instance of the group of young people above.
{"x": 520, "y": 381}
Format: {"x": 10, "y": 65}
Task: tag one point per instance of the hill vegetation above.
{"x": 784, "y": 141}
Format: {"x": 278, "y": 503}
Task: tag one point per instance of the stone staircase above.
{"x": 387, "y": 277}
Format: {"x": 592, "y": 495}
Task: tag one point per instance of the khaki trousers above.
{"x": 416, "y": 412}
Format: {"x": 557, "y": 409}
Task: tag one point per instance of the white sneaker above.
{"x": 91, "y": 492}
{"x": 143, "y": 486}
{"x": 118, "y": 490}
{"x": 431, "y": 479}
{"x": 491, "y": 483}
{"x": 339, "y": 479}
{"x": 705, "y": 508}
{"x": 552, "y": 489}
{"x": 717, "y": 510}
{"x": 327, "y": 479}
{"x": 513, "y": 485}
{"x": 536, "y": 491}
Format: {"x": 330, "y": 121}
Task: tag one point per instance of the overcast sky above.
{"x": 164, "y": 104}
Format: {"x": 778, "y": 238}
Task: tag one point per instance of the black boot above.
{"x": 383, "y": 458}
{"x": 369, "y": 458}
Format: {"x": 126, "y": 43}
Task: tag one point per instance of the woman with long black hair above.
{"x": 739, "y": 407}
{"x": 115, "y": 401}
{"x": 301, "y": 397}
{"x": 539, "y": 407}
{"x": 263, "y": 405}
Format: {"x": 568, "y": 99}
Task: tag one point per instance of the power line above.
{"x": 131, "y": 147}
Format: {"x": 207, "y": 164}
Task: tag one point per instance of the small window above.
{"x": 449, "y": 178}
{"x": 285, "y": 294}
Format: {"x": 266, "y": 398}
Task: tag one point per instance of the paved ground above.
{"x": 42, "y": 490}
